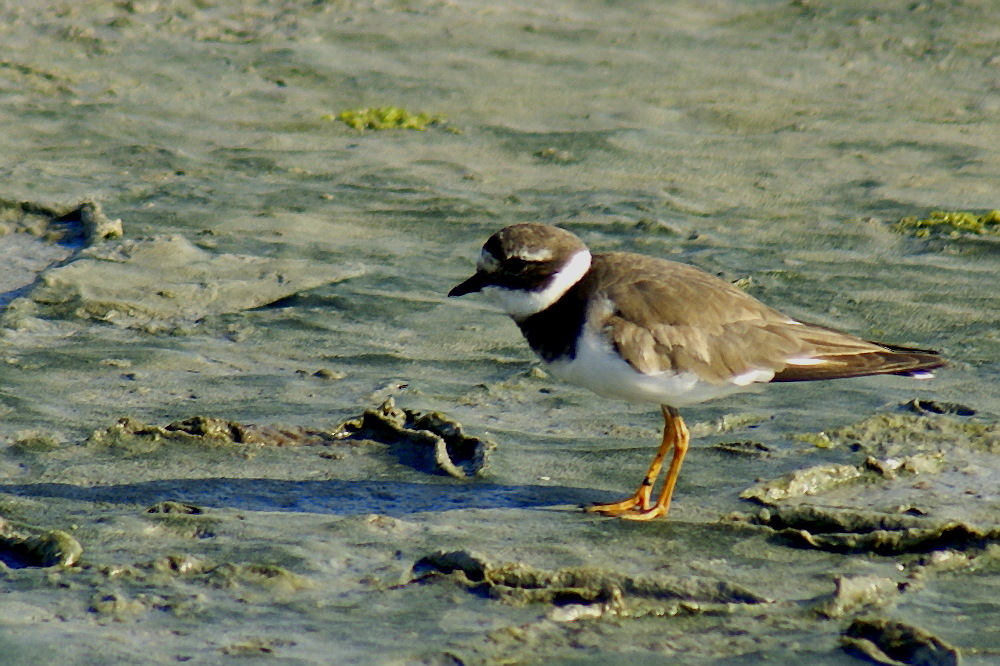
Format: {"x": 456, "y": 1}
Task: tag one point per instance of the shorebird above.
{"x": 643, "y": 329}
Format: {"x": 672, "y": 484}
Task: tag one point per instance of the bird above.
{"x": 643, "y": 329}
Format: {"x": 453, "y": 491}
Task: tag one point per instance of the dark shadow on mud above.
{"x": 325, "y": 497}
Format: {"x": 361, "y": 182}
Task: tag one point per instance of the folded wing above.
{"x": 671, "y": 317}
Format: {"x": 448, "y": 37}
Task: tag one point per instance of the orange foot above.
{"x": 638, "y": 506}
{"x": 630, "y": 509}
{"x": 616, "y": 509}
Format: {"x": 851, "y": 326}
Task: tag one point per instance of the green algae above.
{"x": 387, "y": 117}
{"x": 951, "y": 224}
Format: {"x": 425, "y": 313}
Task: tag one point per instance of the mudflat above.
{"x": 241, "y": 419}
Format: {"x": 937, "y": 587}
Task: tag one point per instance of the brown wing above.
{"x": 838, "y": 362}
{"x": 675, "y": 317}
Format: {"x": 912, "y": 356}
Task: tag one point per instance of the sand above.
{"x": 280, "y": 272}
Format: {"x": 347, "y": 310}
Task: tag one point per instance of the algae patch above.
{"x": 387, "y": 117}
{"x": 951, "y": 224}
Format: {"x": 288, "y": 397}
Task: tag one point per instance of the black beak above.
{"x": 473, "y": 284}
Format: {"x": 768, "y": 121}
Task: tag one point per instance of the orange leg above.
{"x": 638, "y": 506}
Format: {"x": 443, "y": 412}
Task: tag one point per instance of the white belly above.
{"x": 598, "y": 368}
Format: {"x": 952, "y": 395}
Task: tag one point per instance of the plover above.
{"x": 643, "y": 329}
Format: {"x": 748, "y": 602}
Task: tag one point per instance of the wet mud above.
{"x": 426, "y": 441}
{"x": 239, "y": 418}
{"x": 885, "y": 642}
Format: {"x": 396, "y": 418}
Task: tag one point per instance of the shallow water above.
{"x": 773, "y": 141}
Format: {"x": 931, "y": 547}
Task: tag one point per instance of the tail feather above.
{"x": 924, "y": 360}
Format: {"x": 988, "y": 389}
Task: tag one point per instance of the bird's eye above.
{"x": 515, "y": 264}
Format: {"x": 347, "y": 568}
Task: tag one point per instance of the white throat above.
{"x": 521, "y": 304}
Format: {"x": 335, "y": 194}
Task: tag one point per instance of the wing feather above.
{"x": 671, "y": 317}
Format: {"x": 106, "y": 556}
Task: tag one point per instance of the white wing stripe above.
{"x": 805, "y": 360}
